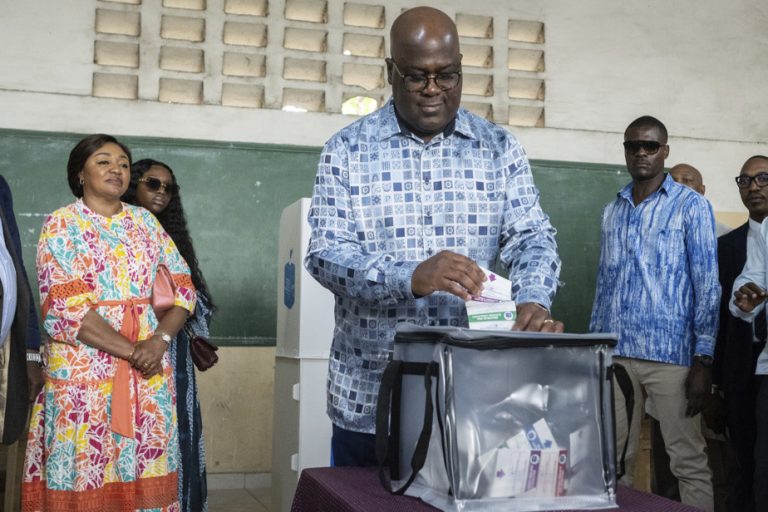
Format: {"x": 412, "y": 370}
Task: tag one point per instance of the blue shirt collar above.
{"x": 389, "y": 125}
{"x": 666, "y": 186}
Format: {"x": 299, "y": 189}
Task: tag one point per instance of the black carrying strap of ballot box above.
{"x": 621, "y": 376}
{"x": 388, "y": 422}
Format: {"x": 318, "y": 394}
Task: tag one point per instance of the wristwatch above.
{"x": 34, "y": 357}
{"x": 165, "y": 337}
{"x": 704, "y": 360}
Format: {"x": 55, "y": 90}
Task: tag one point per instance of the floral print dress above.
{"x": 74, "y": 459}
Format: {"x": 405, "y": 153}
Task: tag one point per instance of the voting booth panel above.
{"x": 302, "y": 430}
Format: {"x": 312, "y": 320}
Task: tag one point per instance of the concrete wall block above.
{"x": 303, "y": 100}
{"x": 118, "y": 22}
{"x": 247, "y": 7}
{"x": 183, "y": 28}
{"x": 367, "y": 76}
{"x": 481, "y": 109}
{"x": 242, "y": 95}
{"x": 109, "y": 85}
{"x": 190, "y": 60}
{"x": 195, "y": 5}
{"x": 305, "y": 39}
{"x": 174, "y": 90}
{"x": 525, "y": 31}
{"x": 244, "y": 64}
{"x": 107, "y": 53}
{"x": 304, "y": 69}
{"x": 477, "y": 55}
{"x": 471, "y": 25}
{"x": 520, "y": 59}
{"x": 522, "y": 115}
{"x": 313, "y": 11}
{"x": 526, "y": 88}
{"x": 245, "y": 34}
{"x": 362, "y": 45}
{"x": 363, "y": 15}
{"x": 477, "y": 85}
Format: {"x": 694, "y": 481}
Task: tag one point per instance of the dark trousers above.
{"x": 350, "y": 448}
{"x": 761, "y": 445}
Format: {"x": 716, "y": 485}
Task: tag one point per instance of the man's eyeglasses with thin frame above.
{"x": 156, "y": 184}
{"x": 651, "y": 147}
{"x": 417, "y": 82}
{"x": 744, "y": 181}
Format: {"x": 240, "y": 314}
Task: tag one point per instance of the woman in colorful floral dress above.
{"x": 103, "y": 433}
{"x": 153, "y": 186}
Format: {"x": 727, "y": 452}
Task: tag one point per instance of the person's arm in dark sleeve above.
{"x": 6, "y": 200}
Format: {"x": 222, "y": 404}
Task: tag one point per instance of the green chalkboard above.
{"x": 234, "y": 194}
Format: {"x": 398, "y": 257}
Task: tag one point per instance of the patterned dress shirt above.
{"x": 657, "y": 285}
{"x": 383, "y": 202}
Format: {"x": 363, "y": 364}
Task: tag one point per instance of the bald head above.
{"x": 689, "y": 176}
{"x": 425, "y": 70}
{"x": 422, "y": 29}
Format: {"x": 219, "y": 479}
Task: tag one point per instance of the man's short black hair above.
{"x": 648, "y": 122}
{"x": 754, "y": 157}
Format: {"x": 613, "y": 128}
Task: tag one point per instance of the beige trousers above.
{"x": 664, "y": 385}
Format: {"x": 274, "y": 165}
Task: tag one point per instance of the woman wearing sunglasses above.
{"x": 103, "y": 430}
{"x": 153, "y": 186}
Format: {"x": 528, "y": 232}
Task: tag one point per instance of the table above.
{"x": 359, "y": 490}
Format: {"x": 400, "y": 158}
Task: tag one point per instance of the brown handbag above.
{"x": 203, "y": 352}
{"x": 163, "y": 298}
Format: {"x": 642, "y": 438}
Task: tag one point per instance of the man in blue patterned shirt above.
{"x": 658, "y": 289}
{"x": 409, "y": 202}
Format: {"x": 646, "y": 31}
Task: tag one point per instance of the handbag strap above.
{"x": 625, "y": 384}
{"x": 386, "y": 445}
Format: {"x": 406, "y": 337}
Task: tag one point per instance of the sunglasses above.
{"x": 745, "y": 181}
{"x": 156, "y": 184}
{"x": 651, "y": 147}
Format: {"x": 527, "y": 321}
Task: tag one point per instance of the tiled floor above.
{"x": 240, "y": 500}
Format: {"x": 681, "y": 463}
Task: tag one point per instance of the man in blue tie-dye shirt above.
{"x": 409, "y": 202}
{"x": 658, "y": 289}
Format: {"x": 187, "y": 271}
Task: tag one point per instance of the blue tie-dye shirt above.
{"x": 383, "y": 202}
{"x": 657, "y": 285}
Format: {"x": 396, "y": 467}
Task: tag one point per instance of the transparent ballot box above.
{"x": 498, "y": 420}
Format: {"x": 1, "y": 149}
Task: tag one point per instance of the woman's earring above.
{"x": 81, "y": 181}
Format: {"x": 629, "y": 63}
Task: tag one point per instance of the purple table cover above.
{"x": 359, "y": 490}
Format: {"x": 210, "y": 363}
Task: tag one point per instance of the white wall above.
{"x": 701, "y": 66}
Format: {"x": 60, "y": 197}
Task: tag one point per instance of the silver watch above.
{"x": 165, "y": 337}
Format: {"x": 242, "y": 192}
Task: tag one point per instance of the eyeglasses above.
{"x": 744, "y": 181}
{"x": 651, "y": 147}
{"x": 155, "y": 184}
{"x": 417, "y": 82}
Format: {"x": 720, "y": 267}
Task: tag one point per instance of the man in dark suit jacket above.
{"x": 738, "y": 345}
{"x": 20, "y": 370}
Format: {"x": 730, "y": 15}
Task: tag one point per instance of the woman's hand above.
{"x": 147, "y": 357}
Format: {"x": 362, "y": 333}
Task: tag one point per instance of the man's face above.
{"x": 755, "y": 198}
{"x": 645, "y": 161}
{"x": 687, "y": 176}
{"x": 428, "y": 111}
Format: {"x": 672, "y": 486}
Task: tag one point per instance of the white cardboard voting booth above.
{"x": 301, "y": 431}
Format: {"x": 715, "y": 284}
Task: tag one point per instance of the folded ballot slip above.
{"x": 494, "y": 308}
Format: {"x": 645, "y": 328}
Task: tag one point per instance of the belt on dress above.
{"x": 125, "y": 376}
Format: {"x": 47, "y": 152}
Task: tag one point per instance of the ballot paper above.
{"x": 529, "y": 463}
{"x": 494, "y": 308}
